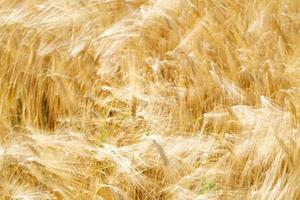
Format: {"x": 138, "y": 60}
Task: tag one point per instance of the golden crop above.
{"x": 149, "y": 99}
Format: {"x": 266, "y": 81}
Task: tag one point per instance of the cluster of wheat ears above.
{"x": 149, "y": 99}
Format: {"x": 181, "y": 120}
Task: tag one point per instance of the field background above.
{"x": 149, "y": 99}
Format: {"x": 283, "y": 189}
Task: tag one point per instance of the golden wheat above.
{"x": 149, "y": 99}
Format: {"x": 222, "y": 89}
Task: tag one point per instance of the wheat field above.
{"x": 149, "y": 99}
